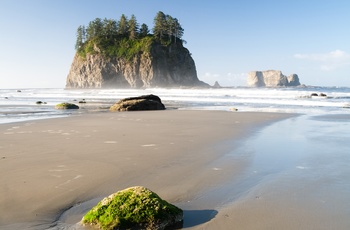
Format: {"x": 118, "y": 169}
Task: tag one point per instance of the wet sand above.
{"x": 49, "y": 166}
{"x": 297, "y": 178}
{"x": 224, "y": 169}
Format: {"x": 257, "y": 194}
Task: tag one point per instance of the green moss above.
{"x": 132, "y": 207}
{"x": 66, "y": 106}
{"x": 119, "y": 48}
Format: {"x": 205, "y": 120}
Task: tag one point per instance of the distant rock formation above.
{"x": 216, "y": 85}
{"x": 271, "y": 78}
{"x": 146, "y": 102}
{"x": 162, "y": 66}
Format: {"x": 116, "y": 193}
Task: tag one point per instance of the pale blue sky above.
{"x": 227, "y": 39}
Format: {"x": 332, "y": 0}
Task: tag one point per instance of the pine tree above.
{"x": 110, "y": 29}
{"x": 94, "y": 29}
{"x": 144, "y": 31}
{"x": 178, "y": 30}
{"x": 133, "y": 27}
{"x": 123, "y": 26}
{"x": 160, "y": 25}
{"x": 80, "y": 37}
{"x": 170, "y": 27}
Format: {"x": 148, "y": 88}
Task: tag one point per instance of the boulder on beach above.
{"x": 145, "y": 102}
{"x": 66, "y": 106}
{"x": 134, "y": 208}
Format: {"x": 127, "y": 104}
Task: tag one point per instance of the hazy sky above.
{"x": 227, "y": 39}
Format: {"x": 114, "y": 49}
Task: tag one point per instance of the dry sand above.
{"x": 48, "y": 166}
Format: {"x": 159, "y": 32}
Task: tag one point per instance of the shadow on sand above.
{"x": 196, "y": 217}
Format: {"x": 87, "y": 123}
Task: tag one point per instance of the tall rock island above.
{"x": 271, "y": 78}
{"x": 119, "y": 54}
{"x": 161, "y": 66}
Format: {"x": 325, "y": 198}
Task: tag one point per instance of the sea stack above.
{"x": 113, "y": 54}
{"x": 271, "y": 78}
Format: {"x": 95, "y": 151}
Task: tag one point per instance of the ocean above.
{"x": 21, "y": 104}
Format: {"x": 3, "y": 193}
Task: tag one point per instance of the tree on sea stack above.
{"x": 120, "y": 54}
{"x": 134, "y": 208}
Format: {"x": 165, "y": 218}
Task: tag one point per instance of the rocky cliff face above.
{"x": 271, "y": 78}
{"x": 162, "y": 66}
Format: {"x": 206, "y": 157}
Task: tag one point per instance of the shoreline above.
{"x": 51, "y": 165}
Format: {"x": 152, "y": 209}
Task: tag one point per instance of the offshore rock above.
{"x": 271, "y": 78}
{"x": 146, "y": 102}
{"x": 134, "y": 208}
{"x": 216, "y": 85}
{"x": 162, "y": 66}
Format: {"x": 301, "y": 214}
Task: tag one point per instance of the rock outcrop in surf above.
{"x": 271, "y": 78}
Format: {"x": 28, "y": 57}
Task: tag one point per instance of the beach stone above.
{"x": 134, "y": 208}
{"x": 145, "y": 102}
{"x": 66, "y": 106}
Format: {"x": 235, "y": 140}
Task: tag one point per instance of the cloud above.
{"x": 329, "y": 61}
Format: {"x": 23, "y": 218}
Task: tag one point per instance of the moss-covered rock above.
{"x": 145, "y": 102}
{"x": 66, "y": 106}
{"x": 134, "y": 208}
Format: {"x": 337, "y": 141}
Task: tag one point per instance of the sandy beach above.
{"x": 54, "y": 170}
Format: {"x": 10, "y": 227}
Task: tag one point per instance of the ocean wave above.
{"x": 296, "y": 100}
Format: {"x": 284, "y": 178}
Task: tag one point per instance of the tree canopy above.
{"x": 109, "y": 33}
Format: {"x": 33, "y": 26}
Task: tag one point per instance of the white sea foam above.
{"x": 21, "y": 105}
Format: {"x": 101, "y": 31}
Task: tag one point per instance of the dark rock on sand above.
{"x": 145, "y": 102}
